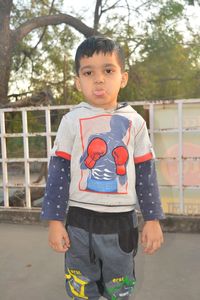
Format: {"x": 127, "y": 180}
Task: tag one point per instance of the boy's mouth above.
{"x": 99, "y": 92}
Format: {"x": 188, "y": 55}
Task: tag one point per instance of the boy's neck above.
{"x": 109, "y": 107}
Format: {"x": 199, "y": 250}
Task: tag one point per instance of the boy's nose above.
{"x": 99, "y": 78}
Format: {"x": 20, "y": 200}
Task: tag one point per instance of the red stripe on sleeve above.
{"x": 143, "y": 158}
{"x": 63, "y": 155}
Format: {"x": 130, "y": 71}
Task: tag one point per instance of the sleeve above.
{"x": 146, "y": 178}
{"x": 147, "y": 191}
{"x": 56, "y": 195}
{"x": 64, "y": 139}
{"x": 143, "y": 148}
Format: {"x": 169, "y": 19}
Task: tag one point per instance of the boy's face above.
{"x": 100, "y": 79}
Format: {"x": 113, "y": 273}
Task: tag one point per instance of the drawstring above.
{"x": 91, "y": 250}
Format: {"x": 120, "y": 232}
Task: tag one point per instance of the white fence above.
{"x": 174, "y": 128}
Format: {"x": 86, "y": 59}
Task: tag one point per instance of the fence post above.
{"x": 4, "y": 160}
{"x": 151, "y": 122}
{"x": 180, "y": 155}
{"x": 48, "y": 131}
{"x": 26, "y": 159}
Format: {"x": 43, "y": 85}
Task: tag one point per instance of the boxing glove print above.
{"x": 120, "y": 155}
{"x": 95, "y": 150}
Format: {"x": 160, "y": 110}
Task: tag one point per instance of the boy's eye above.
{"x": 109, "y": 71}
{"x": 87, "y": 73}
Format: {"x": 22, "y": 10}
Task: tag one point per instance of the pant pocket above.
{"x": 128, "y": 240}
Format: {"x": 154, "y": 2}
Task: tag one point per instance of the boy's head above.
{"x": 97, "y": 44}
{"x": 100, "y": 71}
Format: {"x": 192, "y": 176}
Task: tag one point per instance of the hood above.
{"x": 122, "y": 107}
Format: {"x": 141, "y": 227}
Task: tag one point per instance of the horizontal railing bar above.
{"x": 160, "y": 186}
{"x": 17, "y": 160}
{"x": 36, "y": 134}
{"x": 34, "y": 108}
{"x": 17, "y": 208}
{"x": 134, "y": 103}
{"x": 176, "y": 130}
{"x": 177, "y": 187}
{"x": 35, "y": 159}
{"x": 176, "y": 158}
{"x": 22, "y": 185}
{"x": 14, "y": 135}
{"x": 163, "y": 102}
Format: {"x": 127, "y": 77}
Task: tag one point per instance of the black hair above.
{"x": 96, "y": 44}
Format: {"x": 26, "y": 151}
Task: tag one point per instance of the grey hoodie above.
{"x": 103, "y": 147}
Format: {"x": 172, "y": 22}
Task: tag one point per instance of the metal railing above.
{"x": 5, "y": 185}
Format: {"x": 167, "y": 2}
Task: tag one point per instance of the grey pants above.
{"x": 111, "y": 273}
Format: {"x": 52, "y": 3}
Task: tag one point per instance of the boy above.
{"x": 102, "y": 161}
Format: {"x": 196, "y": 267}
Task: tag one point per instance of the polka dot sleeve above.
{"x": 57, "y": 190}
{"x": 147, "y": 191}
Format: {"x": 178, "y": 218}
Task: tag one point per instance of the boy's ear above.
{"x": 77, "y": 83}
{"x": 124, "y": 79}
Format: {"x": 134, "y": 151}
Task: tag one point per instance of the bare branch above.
{"x": 110, "y": 7}
{"x": 45, "y": 28}
{"x": 28, "y": 55}
{"x": 97, "y": 14}
{"x": 142, "y": 5}
{"x": 99, "y": 11}
{"x": 18, "y": 95}
{"x": 44, "y": 97}
{"x": 38, "y": 22}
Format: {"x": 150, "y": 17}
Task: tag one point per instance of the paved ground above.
{"x": 29, "y": 270}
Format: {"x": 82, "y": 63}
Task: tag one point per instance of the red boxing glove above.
{"x": 96, "y": 149}
{"x": 120, "y": 155}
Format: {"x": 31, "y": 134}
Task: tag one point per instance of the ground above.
{"x": 29, "y": 270}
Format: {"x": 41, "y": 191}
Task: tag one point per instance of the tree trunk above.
{"x": 5, "y": 48}
{"x": 10, "y": 38}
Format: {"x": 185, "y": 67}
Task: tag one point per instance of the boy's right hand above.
{"x": 58, "y": 236}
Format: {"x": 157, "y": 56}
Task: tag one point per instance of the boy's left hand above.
{"x": 152, "y": 236}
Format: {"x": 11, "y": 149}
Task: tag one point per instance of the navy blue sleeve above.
{"x": 56, "y": 195}
{"x": 147, "y": 191}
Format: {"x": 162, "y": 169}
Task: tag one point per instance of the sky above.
{"x": 87, "y": 6}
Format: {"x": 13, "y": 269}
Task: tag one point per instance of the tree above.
{"x": 167, "y": 66}
{"x": 18, "y": 27}
{"x": 10, "y": 38}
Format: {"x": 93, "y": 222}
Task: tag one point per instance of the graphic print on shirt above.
{"x": 105, "y": 154}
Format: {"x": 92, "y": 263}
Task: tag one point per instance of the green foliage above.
{"x": 161, "y": 63}
{"x": 167, "y": 71}
{"x": 171, "y": 10}
{"x": 15, "y": 148}
{"x": 167, "y": 67}
{"x": 44, "y": 54}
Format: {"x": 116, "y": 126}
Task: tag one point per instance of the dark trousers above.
{"x": 100, "y": 260}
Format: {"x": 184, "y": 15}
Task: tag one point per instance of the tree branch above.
{"x": 44, "y": 97}
{"x": 99, "y": 11}
{"x": 97, "y": 14}
{"x": 28, "y": 55}
{"x": 45, "y": 28}
{"x": 111, "y": 7}
{"x": 27, "y": 27}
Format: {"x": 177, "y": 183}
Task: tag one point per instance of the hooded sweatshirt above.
{"x": 104, "y": 148}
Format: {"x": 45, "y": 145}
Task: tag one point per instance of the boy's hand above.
{"x": 58, "y": 236}
{"x": 152, "y": 236}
